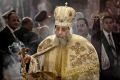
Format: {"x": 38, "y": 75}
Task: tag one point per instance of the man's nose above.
{"x": 60, "y": 31}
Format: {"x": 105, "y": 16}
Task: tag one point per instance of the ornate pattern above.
{"x": 45, "y": 44}
{"x": 91, "y": 49}
{"x": 88, "y": 68}
{"x": 79, "y": 61}
{"x": 77, "y": 48}
{"x": 81, "y": 54}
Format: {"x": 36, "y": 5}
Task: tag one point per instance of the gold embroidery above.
{"x": 84, "y": 69}
{"x": 72, "y": 57}
{"x": 91, "y": 49}
{"x": 77, "y": 58}
{"x": 76, "y": 62}
{"x": 82, "y": 54}
{"x": 38, "y": 66}
{"x": 46, "y": 63}
{"x": 78, "y": 48}
{"x": 45, "y": 44}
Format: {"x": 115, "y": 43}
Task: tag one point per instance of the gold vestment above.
{"x": 77, "y": 60}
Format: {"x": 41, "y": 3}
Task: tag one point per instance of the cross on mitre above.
{"x": 66, "y": 4}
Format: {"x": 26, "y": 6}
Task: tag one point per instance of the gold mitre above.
{"x": 64, "y": 16}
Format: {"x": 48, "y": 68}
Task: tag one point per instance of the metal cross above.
{"x": 66, "y": 4}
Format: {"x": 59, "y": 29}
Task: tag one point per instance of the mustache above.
{"x": 62, "y": 40}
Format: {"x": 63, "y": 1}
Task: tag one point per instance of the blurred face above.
{"x": 108, "y": 24}
{"x": 13, "y": 21}
{"x": 62, "y": 32}
{"x": 82, "y": 27}
{"x": 29, "y": 25}
{"x": 108, "y": 4}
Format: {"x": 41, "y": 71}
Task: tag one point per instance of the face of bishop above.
{"x": 62, "y": 31}
{"x": 62, "y": 34}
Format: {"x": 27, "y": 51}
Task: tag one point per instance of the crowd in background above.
{"x": 105, "y": 36}
{"x": 31, "y": 32}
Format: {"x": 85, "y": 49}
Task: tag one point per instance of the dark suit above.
{"x": 98, "y": 39}
{"x": 116, "y": 37}
{"x": 6, "y": 39}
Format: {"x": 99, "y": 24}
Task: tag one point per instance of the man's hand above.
{"x": 24, "y": 56}
{"x": 27, "y": 58}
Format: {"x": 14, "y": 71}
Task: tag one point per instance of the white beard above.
{"x": 62, "y": 41}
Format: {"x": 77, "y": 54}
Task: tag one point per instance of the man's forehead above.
{"x": 107, "y": 18}
{"x": 65, "y": 27}
{"x": 14, "y": 15}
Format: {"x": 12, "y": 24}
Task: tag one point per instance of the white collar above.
{"x": 106, "y": 33}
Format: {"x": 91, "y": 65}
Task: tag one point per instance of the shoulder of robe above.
{"x": 84, "y": 50}
{"x": 82, "y": 43}
{"x": 46, "y": 43}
